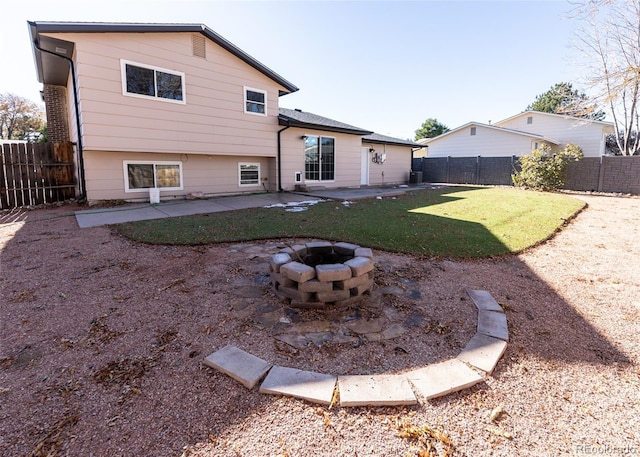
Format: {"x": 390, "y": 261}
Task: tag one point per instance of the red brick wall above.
{"x": 55, "y": 99}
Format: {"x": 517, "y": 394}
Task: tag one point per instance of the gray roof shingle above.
{"x": 384, "y": 139}
{"x": 298, "y": 118}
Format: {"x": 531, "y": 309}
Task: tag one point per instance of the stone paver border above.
{"x": 476, "y": 361}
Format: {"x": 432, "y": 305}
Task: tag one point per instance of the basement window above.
{"x": 249, "y": 174}
{"x": 140, "y": 175}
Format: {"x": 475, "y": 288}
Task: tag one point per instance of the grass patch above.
{"x": 459, "y": 222}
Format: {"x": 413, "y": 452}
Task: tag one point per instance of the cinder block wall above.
{"x": 621, "y": 174}
{"x": 611, "y": 174}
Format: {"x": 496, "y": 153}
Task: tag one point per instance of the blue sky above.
{"x": 383, "y": 65}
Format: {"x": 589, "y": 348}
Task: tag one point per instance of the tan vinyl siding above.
{"x": 212, "y": 121}
{"x": 396, "y": 167}
{"x": 211, "y": 175}
{"x": 347, "y": 158}
{"x": 71, "y": 111}
{"x": 487, "y": 142}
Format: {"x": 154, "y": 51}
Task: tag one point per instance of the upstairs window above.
{"x": 255, "y": 101}
{"x": 145, "y": 81}
{"x": 473, "y": 131}
{"x": 530, "y": 120}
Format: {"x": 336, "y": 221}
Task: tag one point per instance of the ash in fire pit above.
{"x": 320, "y": 274}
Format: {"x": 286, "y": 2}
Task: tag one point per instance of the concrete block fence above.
{"x": 611, "y": 174}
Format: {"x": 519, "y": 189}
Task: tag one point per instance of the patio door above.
{"x": 364, "y": 167}
{"x": 319, "y": 158}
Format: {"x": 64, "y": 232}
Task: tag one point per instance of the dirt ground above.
{"x": 102, "y": 342}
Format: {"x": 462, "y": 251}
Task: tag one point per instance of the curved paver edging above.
{"x": 477, "y": 360}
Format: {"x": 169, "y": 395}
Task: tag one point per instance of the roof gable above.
{"x": 496, "y": 128}
{"x": 46, "y": 49}
{"x": 559, "y": 116}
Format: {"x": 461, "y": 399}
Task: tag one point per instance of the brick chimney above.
{"x": 55, "y": 101}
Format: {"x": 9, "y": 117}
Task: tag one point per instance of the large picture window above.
{"x": 144, "y": 175}
{"x": 140, "y": 80}
{"x": 255, "y": 101}
{"x": 249, "y": 174}
{"x": 319, "y": 158}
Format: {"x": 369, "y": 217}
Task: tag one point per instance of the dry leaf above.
{"x": 499, "y": 432}
{"x": 496, "y": 413}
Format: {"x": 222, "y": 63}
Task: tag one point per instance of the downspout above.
{"x": 83, "y": 185}
{"x": 280, "y": 156}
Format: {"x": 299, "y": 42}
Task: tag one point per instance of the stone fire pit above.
{"x": 321, "y": 274}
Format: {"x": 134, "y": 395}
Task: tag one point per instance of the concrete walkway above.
{"x": 145, "y": 211}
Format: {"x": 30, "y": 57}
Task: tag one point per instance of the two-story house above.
{"x": 177, "y": 107}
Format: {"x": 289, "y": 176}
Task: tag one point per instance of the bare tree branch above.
{"x": 20, "y": 118}
{"x": 610, "y": 42}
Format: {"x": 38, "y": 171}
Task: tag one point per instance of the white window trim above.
{"x": 244, "y": 100}
{"x": 123, "y": 74}
{"x": 126, "y": 163}
{"x": 335, "y": 167}
{"x": 240, "y": 164}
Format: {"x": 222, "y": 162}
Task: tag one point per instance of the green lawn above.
{"x": 457, "y": 222}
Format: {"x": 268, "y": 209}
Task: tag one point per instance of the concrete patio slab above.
{"x": 307, "y": 385}
{"x": 493, "y": 324}
{"x": 190, "y": 208}
{"x": 483, "y": 352}
{"x": 240, "y": 365}
{"x": 375, "y": 390}
{"x": 443, "y": 378}
{"x": 95, "y": 218}
{"x": 145, "y": 211}
{"x": 483, "y": 300}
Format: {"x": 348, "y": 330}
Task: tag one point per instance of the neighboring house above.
{"x": 521, "y": 134}
{"x": 178, "y": 107}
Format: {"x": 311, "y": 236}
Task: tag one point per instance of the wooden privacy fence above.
{"x": 36, "y": 173}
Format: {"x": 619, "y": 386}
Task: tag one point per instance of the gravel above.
{"x": 102, "y": 342}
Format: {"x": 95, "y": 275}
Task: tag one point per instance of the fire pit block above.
{"x": 297, "y": 271}
{"x": 319, "y": 247}
{"x": 333, "y": 272}
{"x": 320, "y": 274}
{"x": 345, "y": 248}
{"x": 278, "y": 260}
{"x": 360, "y": 265}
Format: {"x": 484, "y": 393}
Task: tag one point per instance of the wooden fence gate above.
{"x": 35, "y": 173}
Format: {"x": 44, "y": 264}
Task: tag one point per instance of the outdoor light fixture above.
{"x": 303, "y": 137}
{"x": 379, "y": 158}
